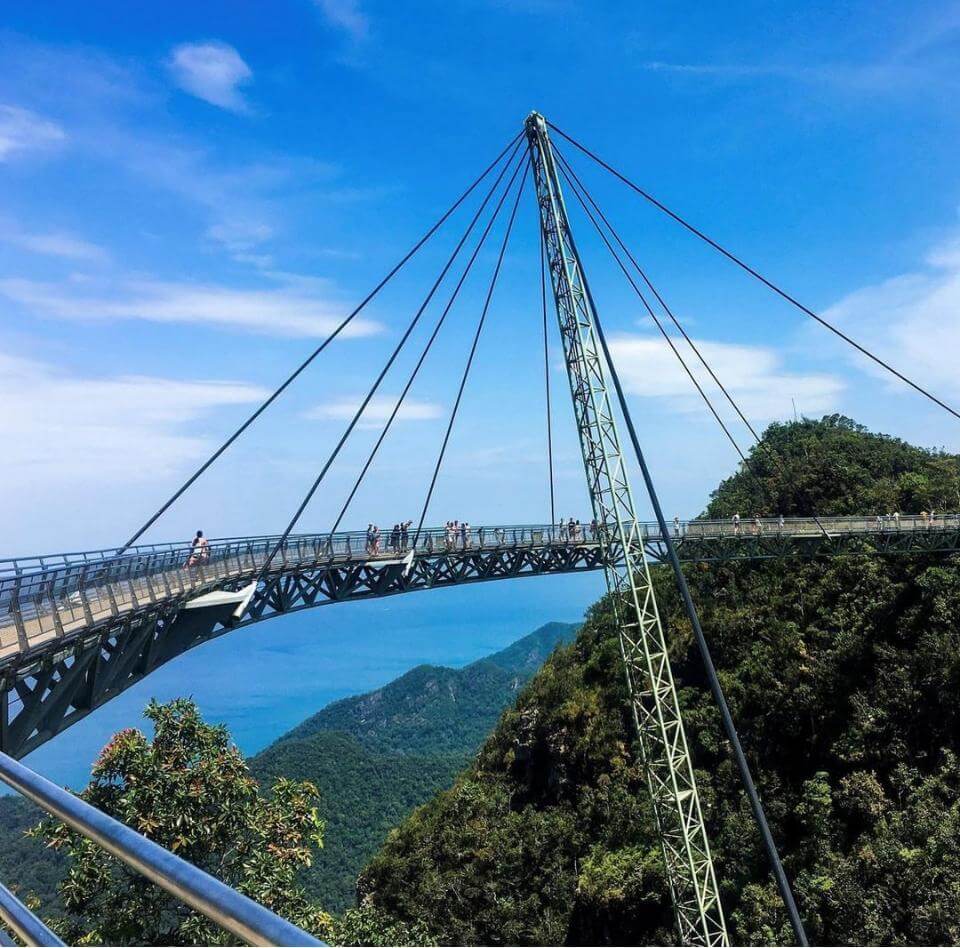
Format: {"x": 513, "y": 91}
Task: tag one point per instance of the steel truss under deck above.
{"x": 653, "y": 696}
{"x": 48, "y": 686}
{"x": 46, "y": 692}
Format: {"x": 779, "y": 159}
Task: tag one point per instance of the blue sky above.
{"x": 192, "y": 194}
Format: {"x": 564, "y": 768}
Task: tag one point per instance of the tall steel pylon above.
{"x": 653, "y": 696}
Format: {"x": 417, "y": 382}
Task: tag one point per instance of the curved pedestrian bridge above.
{"x": 78, "y": 628}
{"x": 56, "y": 598}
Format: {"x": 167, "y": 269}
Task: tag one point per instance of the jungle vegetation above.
{"x": 843, "y": 676}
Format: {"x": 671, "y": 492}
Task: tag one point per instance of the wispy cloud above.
{"x": 24, "y": 131}
{"x": 376, "y": 412}
{"x": 211, "y": 71}
{"x": 101, "y": 430}
{"x": 240, "y": 235}
{"x": 346, "y": 15}
{"x": 243, "y": 240}
{"x": 52, "y": 243}
{"x": 911, "y": 320}
{"x": 279, "y": 312}
{"x": 886, "y": 76}
{"x": 754, "y": 375}
{"x": 923, "y": 56}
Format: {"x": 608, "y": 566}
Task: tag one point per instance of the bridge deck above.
{"x": 78, "y": 629}
{"x": 52, "y": 599}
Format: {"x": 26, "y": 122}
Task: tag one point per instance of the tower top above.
{"x": 534, "y": 120}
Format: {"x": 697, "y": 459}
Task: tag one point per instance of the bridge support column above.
{"x": 653, "y": 696}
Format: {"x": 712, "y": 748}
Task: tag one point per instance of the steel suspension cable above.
{"x": 756, "y": 274}
{"x": 470, "y": 357}
{"x": 373, "y": 388}
{"x": 313, "y": 355}
{"x": 653, "y": 316}
{"x": 576, "y": 183}
{"x": 643, "y": 275}
{"x": 716, "y": 689}
{"x": 546, "y": 372}
{"x": 729, "y": 727}
{"x": 426, "y": 349}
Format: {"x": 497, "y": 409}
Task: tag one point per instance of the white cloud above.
{"x": 240, "y": 236}
{"x": 377, "y": 411}
{"x": 211, "y": 71}
{"x": 241, "y": 239}
{"x": 22, "y": 130}
{"x": 53, "y": 244}
{"x": 280, "y": 312}
{"x": 346, "y": 15}
{"x": 62, "y": 430}
{"x": 752, "y": 374}
{"x": 911, "y": 321}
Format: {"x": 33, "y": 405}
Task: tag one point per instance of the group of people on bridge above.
{"x": 398, "y": 541}
{"x": 572, "y": 530}
{"x": 458, "y": 534}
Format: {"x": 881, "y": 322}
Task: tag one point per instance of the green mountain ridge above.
{"x": 843, "y": 676}
{"x": 373, "y": 757}
{"x": 376, "y": 756}
{"x": 433, "y": 708}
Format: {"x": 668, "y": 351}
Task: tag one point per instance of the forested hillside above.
{"x": 26, "y": 864}
{"x": 432, "y": 709}
{"x": 374, "y": 757}
{"x": 844, "y": 678}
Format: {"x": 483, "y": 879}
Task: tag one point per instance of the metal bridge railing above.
{"x": 233, "y": 912}
{"x": 49, "y": 597}
{"x": 22, "y": 922}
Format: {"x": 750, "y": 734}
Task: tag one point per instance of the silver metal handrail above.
{"x": 62, "y": 595}
{"x": 355, "y": 539}
{"x": 22, "y": 922}
{"x": 232, "y": 911}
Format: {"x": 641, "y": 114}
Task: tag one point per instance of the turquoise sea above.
{"x": 262, "y": 680}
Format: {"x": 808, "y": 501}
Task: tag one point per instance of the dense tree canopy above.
{"x": 189, "y": 790}
{"x": 835, "y": 467}
{"x": 844, "y": 678}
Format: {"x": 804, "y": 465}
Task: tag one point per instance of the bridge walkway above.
{"x": 50, "y": 599}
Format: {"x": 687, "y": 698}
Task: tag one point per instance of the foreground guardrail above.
{"x": 22, "y": 922}
{"x": 232, "y": 911}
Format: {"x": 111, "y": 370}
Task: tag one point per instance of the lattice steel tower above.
{"x": 653, "y": 696}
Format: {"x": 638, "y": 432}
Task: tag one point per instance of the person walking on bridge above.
{"x": 736, "y": 523}
{"x": 199, "y": 550}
